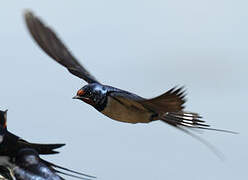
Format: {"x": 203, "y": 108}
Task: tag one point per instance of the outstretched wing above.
{"x": 54, "y": 47}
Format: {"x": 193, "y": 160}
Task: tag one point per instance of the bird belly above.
{"x": 125, "y": 113}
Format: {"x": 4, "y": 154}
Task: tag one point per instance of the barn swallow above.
{"x": 115, "y": 103}
{"x": 22, "y": 160}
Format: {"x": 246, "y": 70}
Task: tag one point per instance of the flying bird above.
{"x": 116, "y": 103}
{"x": 20, "y": 158}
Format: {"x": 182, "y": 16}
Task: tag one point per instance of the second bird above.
{"x": 115, "y": 103}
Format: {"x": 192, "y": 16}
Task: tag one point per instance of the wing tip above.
{"x": 28, "y": 14}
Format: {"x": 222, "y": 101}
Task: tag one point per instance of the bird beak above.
{"x": 85, "y": 99}
{"x": 76, "y": 97}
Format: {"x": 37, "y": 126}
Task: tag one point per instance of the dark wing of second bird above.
{"x": 11, "y": 143}
{"x": 54, "y": 47}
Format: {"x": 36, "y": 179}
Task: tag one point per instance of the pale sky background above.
{"x": 146, "y": 47}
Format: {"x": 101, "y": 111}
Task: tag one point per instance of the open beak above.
{"x": 85, "y": 99}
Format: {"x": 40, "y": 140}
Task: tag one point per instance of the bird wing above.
{"x": 68, "y": 172}
{"x": 127, "y": 99}
{"x": 40, "y": 148}
{"x": 55, "y": 48}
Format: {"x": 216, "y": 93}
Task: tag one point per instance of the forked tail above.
{"x": 190, "y": 120}
{"x": 182, "y": 120}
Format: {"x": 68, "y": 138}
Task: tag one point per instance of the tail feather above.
{"x": 190, "y": 120}
{"x": 71, "y": 175}
{"x": 211, "y": 147}
{"x": 74, "y": 173}
{"x": 171, "y": 101}
{"x": 182, "y": 120}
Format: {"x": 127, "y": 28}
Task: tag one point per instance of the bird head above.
{"x": 94, "y": 94}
